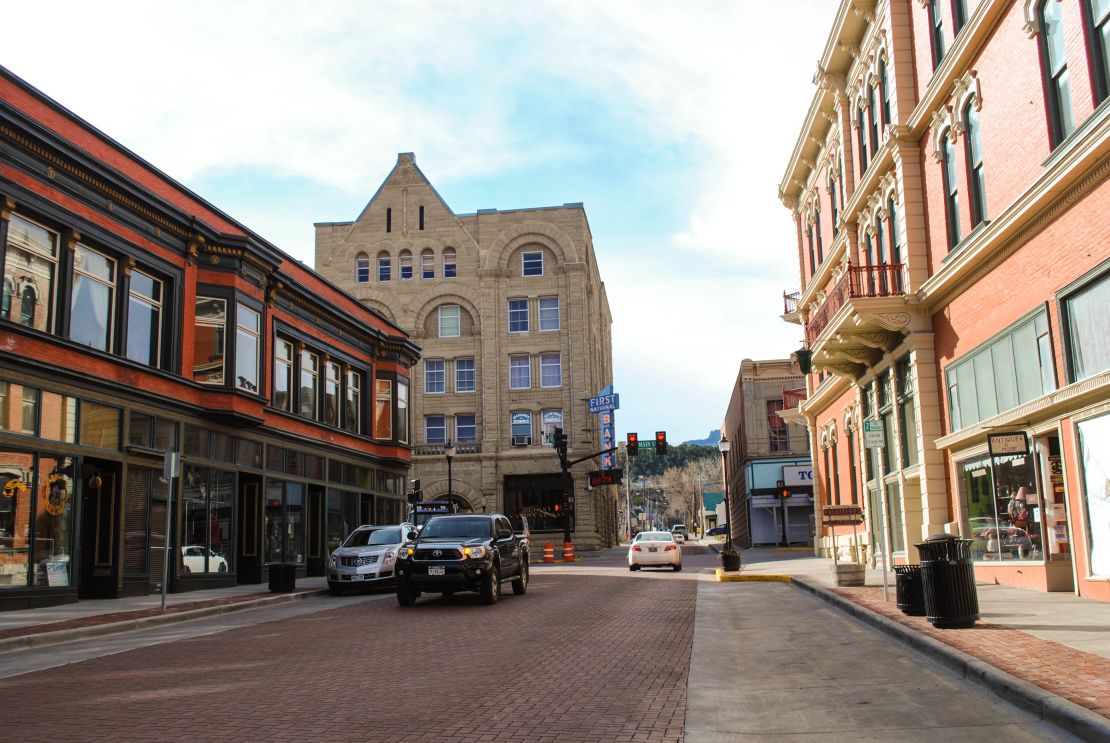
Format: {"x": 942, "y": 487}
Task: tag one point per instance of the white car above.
{"x": 654, "y": 548}
{"x": 678, "y": 537}
{"x": 192, "y": 557}
{"x": 367, "y": 557}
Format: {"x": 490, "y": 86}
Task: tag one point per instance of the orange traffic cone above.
{"x": 548, "y": 552}
{"x": 568, "y": 551}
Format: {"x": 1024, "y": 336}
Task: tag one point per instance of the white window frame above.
{"x": 558, "y": 318}
{"x": 527, "y": 315}
{"x": 427, "y": 428}
{"x": 458, "y": 320}
{"x": 524, "y": 262}
{"x": 460, "y": 388}
{"x": 545, "y": 365}
{"x": 458, "y": 428}
{"x": 527, "y": 366}
{"x": 439, "y": 373}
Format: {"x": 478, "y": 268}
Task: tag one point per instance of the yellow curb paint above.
{"x": 752, "y": 578}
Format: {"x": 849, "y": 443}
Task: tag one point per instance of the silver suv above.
{"x": 367, "y": 557}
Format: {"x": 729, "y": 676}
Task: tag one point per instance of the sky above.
{"x": 671, "y": 121}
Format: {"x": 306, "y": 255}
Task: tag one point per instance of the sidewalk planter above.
{"x": 910, "y": 592}
{"x": 848, "y": 574}
{"x": 283, "y": 577}
{"x": 948, "y": 582}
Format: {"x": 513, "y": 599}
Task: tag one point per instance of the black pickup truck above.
{"x": 462, "y": 553}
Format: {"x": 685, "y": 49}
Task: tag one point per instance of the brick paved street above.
{"x": 602, "y": 658}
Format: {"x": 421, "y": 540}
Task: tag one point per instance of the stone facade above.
{"x": 397, "y": 257}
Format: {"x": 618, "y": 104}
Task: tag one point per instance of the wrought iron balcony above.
{"x": 858, "y": 282}
{"x": 864, "y": 314}
{"x": 790, "y": 307}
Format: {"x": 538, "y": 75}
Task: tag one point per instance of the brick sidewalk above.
{"x": 1082, "y": 678}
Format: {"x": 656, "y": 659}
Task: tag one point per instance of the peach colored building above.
{"x": 949, "y": 190}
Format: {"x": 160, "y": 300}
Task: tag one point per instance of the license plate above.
{"x": 356, "y": 577}
{"x": 435, "y": 570}
{"x": 653, "y": 549}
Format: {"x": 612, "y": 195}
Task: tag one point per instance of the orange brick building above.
{"x": 138, "y": 319}
{"x": 949, "y": 189}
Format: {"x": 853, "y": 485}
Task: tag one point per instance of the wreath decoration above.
{"x": 14, "y": 487}
{"x": 57, "y": 495}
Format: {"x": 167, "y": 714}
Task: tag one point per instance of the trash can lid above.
{"x": 941, "y": 538}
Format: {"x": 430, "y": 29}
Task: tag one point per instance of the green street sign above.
{"x": 648, "y": 444}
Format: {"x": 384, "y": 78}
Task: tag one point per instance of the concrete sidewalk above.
{"x": 1047, "y": 652}
{"x": 33, "y": 627}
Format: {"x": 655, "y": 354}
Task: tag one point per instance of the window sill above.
{"x": 967, "y": 239}
{"x": 1065, "y": 145}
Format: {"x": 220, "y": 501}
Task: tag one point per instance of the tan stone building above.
{"x": 514, "y": 323}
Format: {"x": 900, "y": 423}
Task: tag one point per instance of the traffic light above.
{"x": 660, "y": 442}
{"x": 559, "y": 441}
{"x": 416, "y": 495}
{"x": 785, "y": 492}
{"x": 633, "y": 445}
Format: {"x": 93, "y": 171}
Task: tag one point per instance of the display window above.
{"x": 1004, "y": 517}
{"x": 36, "y": 519}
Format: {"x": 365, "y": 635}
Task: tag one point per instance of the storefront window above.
{"x": 35, "y": 490}
{"x": 206, "y": 544}
{"x": 388, "y": 511}
{"x": 100, "y": 426}
{"x": 284, "y": 522}
{"x": 1003, "y": 508}
{"x": 1094, "y": 445}
{"x": 342, "y": 517}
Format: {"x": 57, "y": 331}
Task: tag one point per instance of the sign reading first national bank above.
{"x": 603, "y": 403}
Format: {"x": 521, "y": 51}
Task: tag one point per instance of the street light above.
{"x": 730, "y": 560}
{"x": 449, "y": 452}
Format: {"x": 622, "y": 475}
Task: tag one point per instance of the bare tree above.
{"x": 684, "y": 485}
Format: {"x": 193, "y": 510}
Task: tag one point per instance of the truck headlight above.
{"x": 474, "y": 553}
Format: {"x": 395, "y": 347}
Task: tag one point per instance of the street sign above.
{"x": 873, "y": 437}
{"x": 850, "y": 515}
{"x": 606, "y": 477}
{"x": 602, "y": 403}
{"x": 646, "y": 444}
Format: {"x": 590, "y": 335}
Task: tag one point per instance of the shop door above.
{"x": 250, "y": 558}
{"x": 100, "y": 521}
{"x": 316, "y": 523}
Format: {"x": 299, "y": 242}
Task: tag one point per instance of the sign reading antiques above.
{"x": 850, "y": 515}
{"x": 1001, "y": 444}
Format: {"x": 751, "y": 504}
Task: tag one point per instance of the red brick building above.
{"x": 949, "y": 188}
{"x": 138, "y": 319}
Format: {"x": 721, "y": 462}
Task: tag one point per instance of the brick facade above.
{"x": 923, "y": 293}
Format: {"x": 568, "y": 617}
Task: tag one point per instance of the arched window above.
{"x": 362, "y": 268}
{"x": 27, "y": 307}
{"x": 820, "y": 242}
{"x": 973, "y": 151}
{"x": 427, "y": 264}
{"x": 385, "y": 267}
{"x": 861, "y": 129}
{"x": 880, "y": 250}
{"x": 936, "y": 33}
{"x": 832, "y": 201}
{"x": 1054, "y": 57}
{"x": 869, "y": 249}
{"x": 951, "y": 189}
{"x": 895, "y": 241}
{"x": 404, "y": 263}
{"x": 884, "y": 91}
{"x": 1098, "y": 36}
{"x": 873, "y": 119}
{"x": 812, "y": 260}
{"x": 449, "y": 266}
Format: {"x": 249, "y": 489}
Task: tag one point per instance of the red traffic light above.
{"x": 660, "y": 442}
{"x": 633, "y": 444}
{"x": 556, "y": 508}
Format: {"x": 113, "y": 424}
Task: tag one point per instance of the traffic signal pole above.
{"x": 560, "y": 441}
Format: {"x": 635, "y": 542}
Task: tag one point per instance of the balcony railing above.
{"x": 791, "y": 399}
{"x": 859, "y": 282}
{"x": 790, "y": 303}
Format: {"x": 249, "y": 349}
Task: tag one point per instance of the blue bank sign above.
{"x": 603, "y": 403}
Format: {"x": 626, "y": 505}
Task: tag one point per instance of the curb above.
{"x": 23, "y": 642}
{"x": 751, "y": 578}
{"x": 1051, "y": 708}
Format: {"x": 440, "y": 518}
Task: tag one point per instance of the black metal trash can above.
{"x": 910, "y": 592}
{"x": 283, "y": 577}
{"x": 948, "y": 581}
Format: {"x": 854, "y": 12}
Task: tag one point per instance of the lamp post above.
{"x": 730, "y": 560}
{"x": 449, "y": 452}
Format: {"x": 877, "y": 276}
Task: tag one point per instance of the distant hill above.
{"x": 714, "y": 437}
